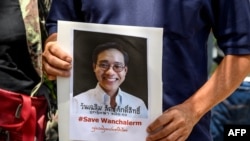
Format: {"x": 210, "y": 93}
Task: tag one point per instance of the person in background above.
{"x": 19, "y": 65}
{"x": 188, "y": 94}
{"x": 110, "y": 64}
{"x": 22, "y": 26}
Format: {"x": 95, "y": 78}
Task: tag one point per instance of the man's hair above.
{"x": 109, "y": 45}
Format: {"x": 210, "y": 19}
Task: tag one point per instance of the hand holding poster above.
{"x": 114, "y": 91}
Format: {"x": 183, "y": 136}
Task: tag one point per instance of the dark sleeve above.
{"x": 66, "y": 10}
{"x": 232, "y": 25}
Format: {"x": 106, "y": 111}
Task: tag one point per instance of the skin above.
{"x": 110, "y": 80}
{"x": 177, "y": 122}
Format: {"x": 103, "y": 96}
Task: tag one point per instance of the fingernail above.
{"x": 68, "y": 59}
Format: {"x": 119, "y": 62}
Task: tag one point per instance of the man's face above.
{"x": 110, "y": 70}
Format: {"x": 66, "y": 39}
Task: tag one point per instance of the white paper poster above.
{"x": 86, "y": 112}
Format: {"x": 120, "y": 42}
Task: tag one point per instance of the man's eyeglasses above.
{"x": 115, "y": 67}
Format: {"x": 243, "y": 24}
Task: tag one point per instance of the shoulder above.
{"x": 85, "y": 94}
{"x": 131, "y": 97}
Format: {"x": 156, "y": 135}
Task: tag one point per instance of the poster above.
{"x": 85, "y": 111}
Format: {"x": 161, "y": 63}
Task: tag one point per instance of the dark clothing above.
{"x": 235, "y": 110}
{"x": 186, "y": 23}
{"x": 16, "y": 70}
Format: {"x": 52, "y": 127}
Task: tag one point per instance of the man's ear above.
{"x": 126, "y": 69}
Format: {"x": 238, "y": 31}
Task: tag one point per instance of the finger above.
{"x": 158, "y": 123}
{"x": 53, "y": 71}
{"x": 182, "y": 138}
{"x": 48, "y": 77}
{"x": 169, "y": 138}
{"x": 53, "y": 61}
{"x": 174, "y": 135}
{"x": 165, "y": 133}
{"x": 55, "y": 50}
{"x": 54, "y": 56}
{"x": 173, "y": 131}
{"x": 51, "y": 77}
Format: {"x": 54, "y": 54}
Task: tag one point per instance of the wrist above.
{"x": 197, "y": 107}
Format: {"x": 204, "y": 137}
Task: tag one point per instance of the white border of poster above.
{"x": 65, "y": 40}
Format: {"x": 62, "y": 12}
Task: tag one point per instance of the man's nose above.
{"x": 110, "y": 70}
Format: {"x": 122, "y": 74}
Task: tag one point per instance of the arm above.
{"x": 224, "y": 81}
{"x": 231, "y": 30}
{"x": 56, "y": 62}
{"x": 177, "y": 122}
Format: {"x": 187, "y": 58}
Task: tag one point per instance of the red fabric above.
{"x": 32, "y": 121}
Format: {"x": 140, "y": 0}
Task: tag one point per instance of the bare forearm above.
{"x": 226, "y": 78}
